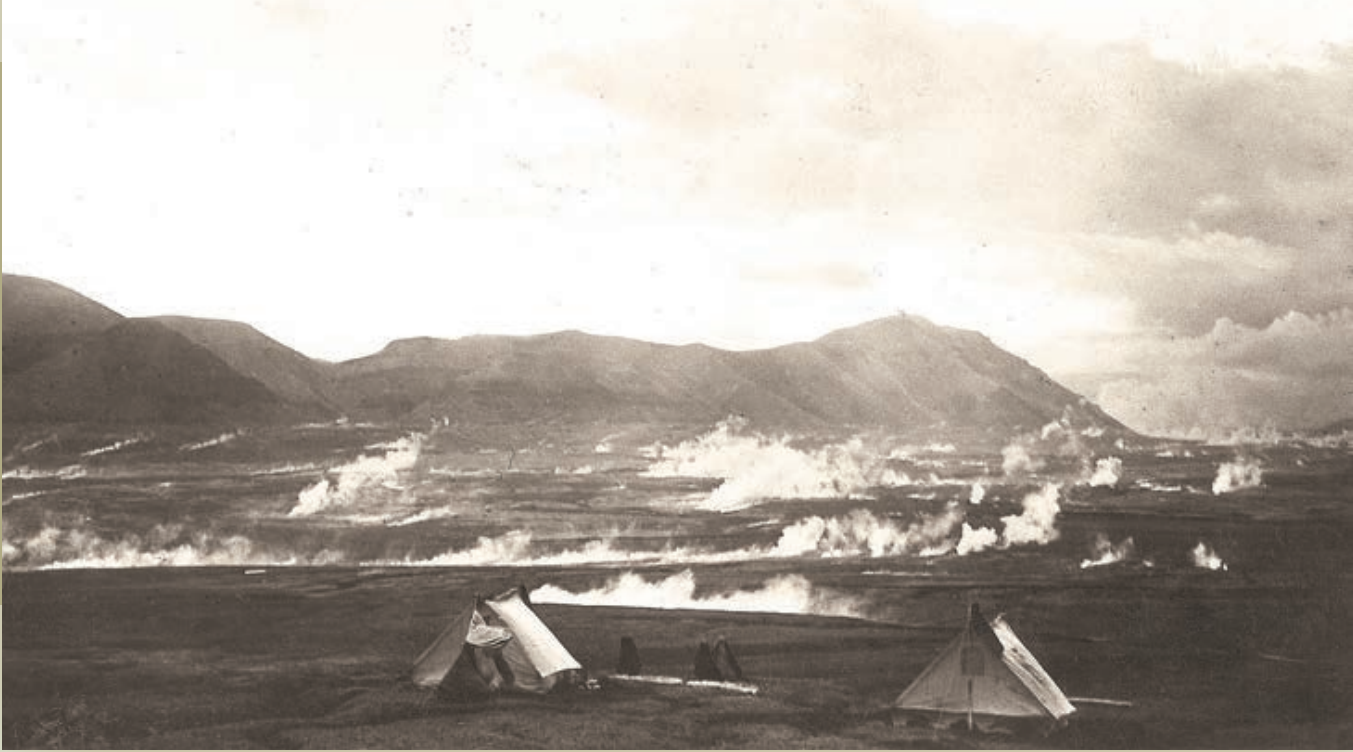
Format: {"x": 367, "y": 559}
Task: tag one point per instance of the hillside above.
{"x": 41, "y": 317}
{"x": 902, "y": 372}
{"x": 291, "y": 376}
{"x": 137, "y": 371}
{"x": 77, "y": 361}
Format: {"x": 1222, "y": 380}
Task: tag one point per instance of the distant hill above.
{"x": 291, "y": 376}
{"x": 1337, "y": 427}
{"x": 137, "y": 371}
{"x": 79, "y": 361}
{"x": 41, "y": 317}
{"x": 902, "y": 371}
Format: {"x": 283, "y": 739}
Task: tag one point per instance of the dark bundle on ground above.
{"x": 725, "y": 663}
{"x": 629, "y": 658}
{"x": 705, "y": 670}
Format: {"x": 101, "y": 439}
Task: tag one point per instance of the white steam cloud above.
{"x": 978, "y": 493}
{"x": 860, "y": 533}
{"x": 755, "y": 468}
{"x": 115, "y": 446}
{"x": 354, "y": 477}
{"x": 1205, "y": 558}
{"x": 1107, "y": 472}
{"x": 786, "y": 594}
{"x": 1037, "y": 524}
{"x": 1105, "y": 552}
{"x": 24, "y": 472}
{"x": 975, "y": 540}
{"x": 224, "y": 438}
{"x": 162, "y": 546}
{"x": 1016, "y": 461}
{"x": 1240, "y": 474}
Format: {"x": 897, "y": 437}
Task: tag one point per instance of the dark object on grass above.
{"x": 705, "y": 670}
{"x": 725, "y": 663}
{"x": 629, "y": 658}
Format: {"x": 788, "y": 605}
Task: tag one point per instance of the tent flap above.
{"x": 988, "y": 671}
{"x": 546, "y": 654}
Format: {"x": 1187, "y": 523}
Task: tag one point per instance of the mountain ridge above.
{"x": 899, "y": 372}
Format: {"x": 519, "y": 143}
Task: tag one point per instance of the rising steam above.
{"x": 1105, "y": 552}
{"x": 755, "y": 468}
{"x": 24, "y": 472}
{"x": 1016, "y": 461}
{"x": 1106, "y": 473}
{"x": 162, "y": 546}
{"x": 1205, "y": 558}
{"x": 1036, "y": 524}
{"x": 978, "y": 493}
{"x": 363, "y": 473}
{"x": 115, "y": 446}
{"x": 786, "y": 594}
{"x": 224, "y": 438}
{"x": 1237, "y": 475}
{"x": 860, "y": 533}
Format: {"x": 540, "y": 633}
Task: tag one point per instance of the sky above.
{"x": 1151, "y": 201}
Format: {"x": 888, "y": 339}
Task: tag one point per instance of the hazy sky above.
{"x": 1152, "y": 201}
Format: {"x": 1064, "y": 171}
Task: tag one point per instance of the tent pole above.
{"x": 967, "y": 645}
{"x": 970, "y": 703}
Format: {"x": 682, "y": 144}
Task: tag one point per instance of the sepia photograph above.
{"x": 756, "y": 374}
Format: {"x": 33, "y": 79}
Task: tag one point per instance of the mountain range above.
{"x": 70, "y": 359}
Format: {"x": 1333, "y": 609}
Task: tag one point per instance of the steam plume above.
{"x": 162, "y": 546}
{"x": 785, "y": 594}
{"x": 1105, "y": 552}
{"x": 860, "y": 533}
{"x": 1205, "y": 558}
{"x": 978, "y": 493}
{"x": 1237, "y": 475}
{"x": 1107, "y": 472}
{"x": 224, "y": 438}
{"x": 122, "y": 444}
{"x": 357, "y": 475}
{"x": 1036, "y": 524}
{"x": 975, "y": 540}
{"x": 24, "y": 472}
{"x": 754, "y": 467}
{"x": 1015, "y": 460}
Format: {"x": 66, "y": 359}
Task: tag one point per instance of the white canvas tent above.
{"x": 496, "y": 644}
{"x": 986, "y": 673}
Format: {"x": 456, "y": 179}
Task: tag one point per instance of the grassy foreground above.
{"x": 318, "y": 658}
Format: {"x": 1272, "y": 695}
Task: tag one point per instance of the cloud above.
{"x": 1191, "y": 192}
{"x": 1295, "y": 373}
{"x": 765, "y": 170}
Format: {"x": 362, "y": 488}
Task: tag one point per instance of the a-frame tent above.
{"x": 496, "y": 644}
{"x": 986, "y": 675}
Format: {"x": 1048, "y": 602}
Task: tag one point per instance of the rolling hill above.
{"x": 136, "y": 371}
{"x": 79, "y": 361}
{"x": 902, "y": 371}
{"x": 291, "y": 376}
{"x": 41, "y": 318}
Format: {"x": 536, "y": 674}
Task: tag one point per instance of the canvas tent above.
{"x": 495, "y": 644}
{"x": 985, "y": 675}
